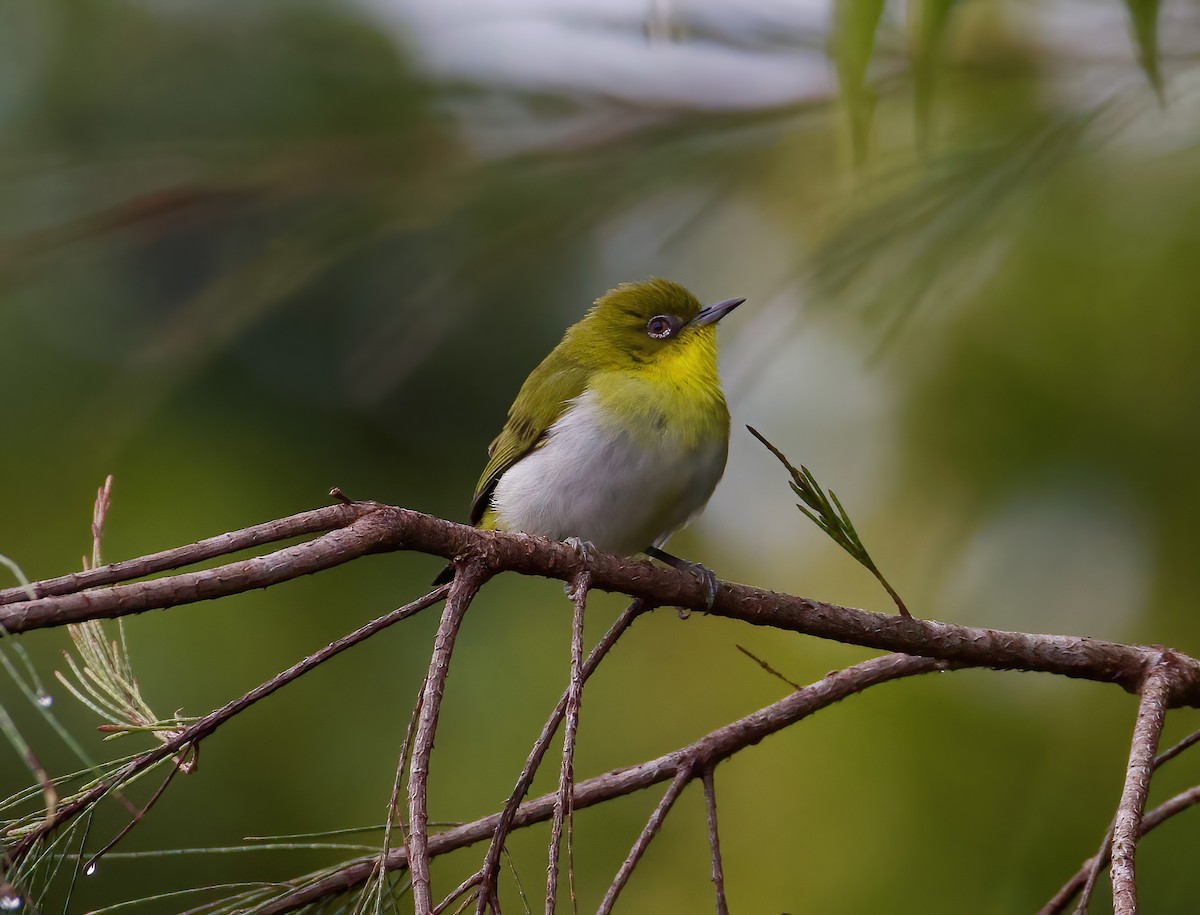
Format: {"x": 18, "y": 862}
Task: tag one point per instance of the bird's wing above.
{"x": 539, "y": 404}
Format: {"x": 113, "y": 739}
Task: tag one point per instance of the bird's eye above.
{"x": 660, "y": 327}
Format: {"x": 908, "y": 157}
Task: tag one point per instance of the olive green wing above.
{"x": 540, "y": 402}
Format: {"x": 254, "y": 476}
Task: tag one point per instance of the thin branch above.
{"x": 1090, "y": 872}
{"x": 205, "y": 726}
{"x": 1127, "y": 826}
{"x": 463, "y": 589}
{"x": 682, "y": 777}
{"x": 1099, "y": 862}
{"x": 381, "y": 528}
{"x": 1102, "y": 857}
{"x": 393, "y": 812}
{"x": 767, "y": 667}
{"x": 707, "y": 751}
{"x": 335, "y": 548}
{"x": 714, "y": 842}
{"x": 1151, "y": 821}
{"x": 491, "y": 864}
{"x": 94, "y": 861}
{"x": 565, "y": 807}
{"x": 301, "y": 525}
{"x": 469, "y": 883}
{"x": 1186, "y": 744}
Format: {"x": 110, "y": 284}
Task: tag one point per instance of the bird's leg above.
{"x": 706, "y": 575}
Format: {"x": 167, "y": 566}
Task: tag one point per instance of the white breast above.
{"x": 593, "y": 481}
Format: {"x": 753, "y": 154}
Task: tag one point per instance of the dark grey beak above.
{"x": 714, "y": 313}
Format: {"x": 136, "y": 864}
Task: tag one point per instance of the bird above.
{"x": 620, "y": 435}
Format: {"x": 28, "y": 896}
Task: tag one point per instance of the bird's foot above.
{"x": 706, "y": 576}
{"x": 584, "y": 550}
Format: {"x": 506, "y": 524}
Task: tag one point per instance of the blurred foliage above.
{"x": 250, "y": 251}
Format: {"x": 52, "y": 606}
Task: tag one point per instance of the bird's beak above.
{"x": 714, "y": 313}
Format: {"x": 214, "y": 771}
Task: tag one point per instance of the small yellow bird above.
{"x": 619, "y": 437}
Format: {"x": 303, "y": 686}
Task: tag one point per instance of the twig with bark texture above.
{"x": 463, "y": 588}
{"x": 1099, "y": 862}
{"x": 383, "y": 528}
{"x": 683, "y": 775}
{"x": 304, "y": 524}
{"x": 709, "y": 750}
{"x": 92, "y": 863}
{"x": 1151, "y": 821}
{"x": 714, "y": 842}
{"x": 1127, "y": 826}
{"x": 205, "y": 726}
{"x": 1091, "y": 869}
{"x": 468, "y": 884}
{"x": 491, "y": 863}
{"x": 346, "y": 532}
{"x": 394, "y": 817}
{"x": 564, "y": 808}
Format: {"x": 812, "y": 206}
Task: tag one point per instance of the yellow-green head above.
{"x": 655, "y": 325}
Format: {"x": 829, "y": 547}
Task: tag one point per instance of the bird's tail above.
{"x": 444, "y": 576}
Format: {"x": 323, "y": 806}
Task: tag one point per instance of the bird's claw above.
{"x": 706, "y": 575}
{"x": 708, "y": 578}
{"x": 582, "y": 549}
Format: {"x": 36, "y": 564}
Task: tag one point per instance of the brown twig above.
{"x": 1151, "y": 821}
{"x": 491, "y": 864}
{"x": 1104, "y": 855}
{"x": 379, "y": 528}
{"x": 463, "y": 589}
{"x": 707, "y": 751}
{"x": 683, "y": 775}
{"x": 1084, "y": 881}
{"x": 1099, "y": 862}
{"x": 467, "y": 884}
{"x": 1127, "y": 826}
{"x": 564, "y": 808}
{"x": 203, "y": 727}
{"x": 368, "y": 527}
{"x": 1186, "y": 744}
{"x": 393, "y": 815}
{"x": 767, "y": 667}
{"x": 94, "y": 860}
{"x": 301, "y": 525}
{"x": 714, "y": 841}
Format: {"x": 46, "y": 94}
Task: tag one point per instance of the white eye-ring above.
{"x": 660, "y": 327}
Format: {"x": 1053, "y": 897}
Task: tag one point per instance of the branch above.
{"x": 565, "y": 808}
{"x": 364, "y": 535}
{"x": 380, "y": 528}
{"x": 707, "y": 752}
{"x": 1127, "y": 826}
{"x": 191, "y": 735}
{"x": 491, "y": 864}
{"x": 463, "y": 589}
{"x": 301, "y": 525}
{"x": 1153, "y": 819}
{"x": 714, "y": 842}
{"x": 682, "y": 776}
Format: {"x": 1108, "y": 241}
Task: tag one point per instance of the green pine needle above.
{"x": 826, "y": 512}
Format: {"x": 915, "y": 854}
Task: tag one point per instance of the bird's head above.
{"x": 654, "y": 323}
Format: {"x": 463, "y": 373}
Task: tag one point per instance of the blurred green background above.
{"x": 251, "y": 251}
